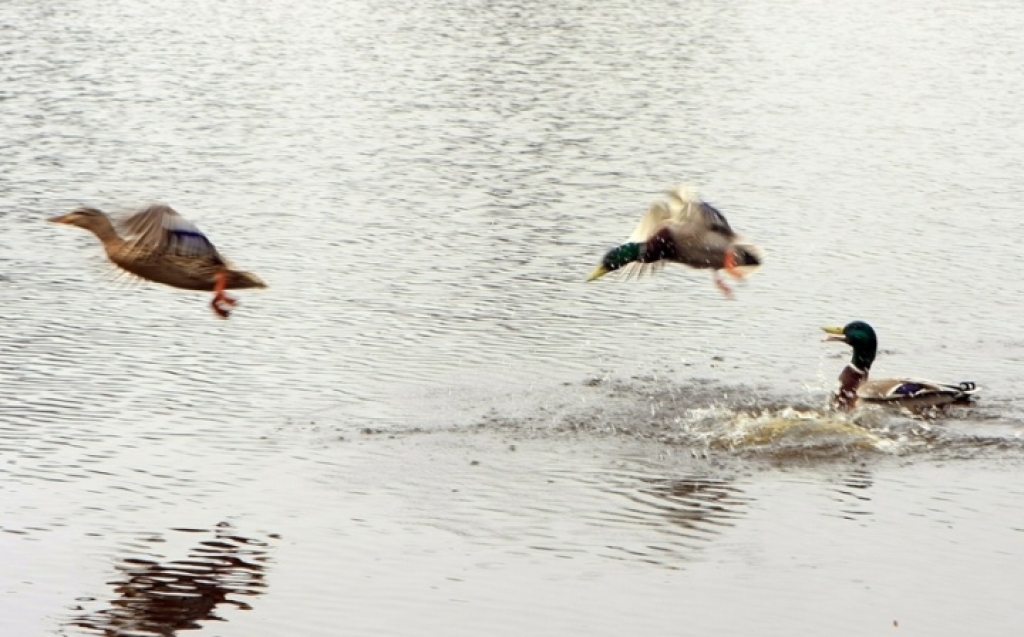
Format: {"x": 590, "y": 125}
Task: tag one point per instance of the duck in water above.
{"x": 911, "y": 393}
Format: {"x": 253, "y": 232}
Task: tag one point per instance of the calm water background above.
{"x": 429, "y": 424}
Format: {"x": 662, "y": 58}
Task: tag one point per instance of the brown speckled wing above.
{"x": 159, "y": 230}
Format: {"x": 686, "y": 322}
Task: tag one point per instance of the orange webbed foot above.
{"x": 222, "y": 305}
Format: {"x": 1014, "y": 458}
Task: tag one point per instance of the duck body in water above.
{"x": 854, "y": 384}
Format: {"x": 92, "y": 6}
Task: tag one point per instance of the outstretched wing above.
{"x": 689, "y": 209}
{"x": 160, "y": 230}
{"x": 656, "y": 215}
{"x": 683, "y": 208}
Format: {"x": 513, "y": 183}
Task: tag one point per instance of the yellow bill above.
{"x": 598, "y": 272}
{"x": 836, "y": 333}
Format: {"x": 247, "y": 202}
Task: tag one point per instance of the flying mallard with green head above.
{"x": 159, "y": 245}
{"x": 683, "y": 229}
{"x": 911, "y": 393}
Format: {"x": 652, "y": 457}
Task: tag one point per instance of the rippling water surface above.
{"x": 429, "y": 424}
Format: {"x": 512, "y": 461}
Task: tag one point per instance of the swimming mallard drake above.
{"x": 686, "y": 230}
{"x": 854, "y": 383}
{"x": 159, "y": 245}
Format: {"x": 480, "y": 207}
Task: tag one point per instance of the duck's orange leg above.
{"x": 720, "y": 284}
{"x": 220, "y": 300}
{"x": 730, "y": 264}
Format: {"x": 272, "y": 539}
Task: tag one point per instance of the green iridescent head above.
{"x": 861, "y": 337}
{"x": 616, "y": 258}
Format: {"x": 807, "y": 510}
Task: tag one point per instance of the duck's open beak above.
{"x": 598, "y": 272}
{"x": 834, "y": 334}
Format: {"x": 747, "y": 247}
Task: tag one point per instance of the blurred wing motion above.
{"x": 157, "y": 244}
{"x": 160, "y": 230}
{"x": 697, "y": 228}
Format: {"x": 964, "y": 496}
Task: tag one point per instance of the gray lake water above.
{"x": 429, "y": 424}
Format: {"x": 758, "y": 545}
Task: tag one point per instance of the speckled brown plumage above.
{"x": 157, "y": 244}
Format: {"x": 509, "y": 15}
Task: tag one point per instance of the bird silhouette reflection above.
{"x": 153, "y": 597}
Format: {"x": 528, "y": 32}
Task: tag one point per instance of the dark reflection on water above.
{"x": 700, "y": 504}
{"x": 675, "y": 517}
{"x": 859, "y": 479}
{"x": 853, "y": 494}
{"x": 155, "y": 597}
